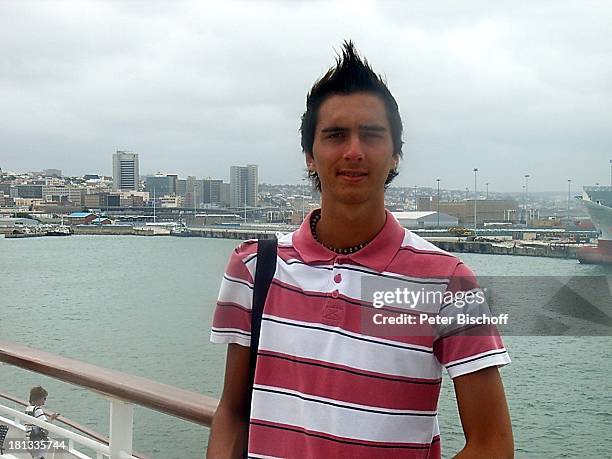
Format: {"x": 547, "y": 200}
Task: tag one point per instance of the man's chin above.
{"x": 352, "y": 197}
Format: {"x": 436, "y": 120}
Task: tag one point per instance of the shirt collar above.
{"x": 376, "y": 255}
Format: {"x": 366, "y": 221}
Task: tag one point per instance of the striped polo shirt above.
{"x": 324, "y": 385}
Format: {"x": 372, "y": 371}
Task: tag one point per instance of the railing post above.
{"x": 121, "y": 425}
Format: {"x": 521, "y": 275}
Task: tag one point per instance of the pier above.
{"x": 443, "y": 240}
{"x": 518, "y": 248}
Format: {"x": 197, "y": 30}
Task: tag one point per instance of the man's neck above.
{"x": 344, "y": 226}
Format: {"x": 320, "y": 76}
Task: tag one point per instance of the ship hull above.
{"x": 600, "y": 255}
{"x": 601, "y": 216}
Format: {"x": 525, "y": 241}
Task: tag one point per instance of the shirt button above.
{"x": 335, "y": 294}
{"x": 338, "y": 278}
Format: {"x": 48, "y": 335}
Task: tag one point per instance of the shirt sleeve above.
{"x": 40, "y": 414}
{"x": 232, "y": 317}
{"x": 467, "y": 349}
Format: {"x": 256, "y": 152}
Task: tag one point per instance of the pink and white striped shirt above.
{"x": 324, "y": 387}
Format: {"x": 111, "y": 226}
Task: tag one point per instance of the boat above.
{"x": 124, "y": 392}
{"x": 182, "y": 231}
{"x": 598, "y": 203}
{"x": 59, "y": 230}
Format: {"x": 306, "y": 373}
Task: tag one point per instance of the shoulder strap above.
{"x": 266, "y": 266}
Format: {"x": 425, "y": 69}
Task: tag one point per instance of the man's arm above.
{"x": 229, "y": 430}
{"x": 484, "y": 415}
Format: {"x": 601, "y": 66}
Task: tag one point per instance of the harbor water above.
{"x": 144, "y": 306}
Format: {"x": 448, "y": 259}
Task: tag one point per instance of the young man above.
{"x": 324, "y": 385}
{"x": 38, "y": 398}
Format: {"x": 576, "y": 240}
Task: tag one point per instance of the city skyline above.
{"x": 510, "y": 90}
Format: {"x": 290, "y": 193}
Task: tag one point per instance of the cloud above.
{"x": 195, "y": 87}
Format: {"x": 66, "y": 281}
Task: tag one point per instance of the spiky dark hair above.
{"x": 351, "y": 74}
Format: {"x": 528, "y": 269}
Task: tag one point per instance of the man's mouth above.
{"x": 353, "y": 174}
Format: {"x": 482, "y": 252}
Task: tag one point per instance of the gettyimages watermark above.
{"x": 518, "y": 305}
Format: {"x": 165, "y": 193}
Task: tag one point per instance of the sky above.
{"x": 510, "y": 88}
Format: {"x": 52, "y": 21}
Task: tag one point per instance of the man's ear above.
{"x": 396, "y": 160}
{"x": 310, "y": 164}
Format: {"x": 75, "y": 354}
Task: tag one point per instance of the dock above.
{"x": 528, "y": 248}
{"x": 517, "y": 248}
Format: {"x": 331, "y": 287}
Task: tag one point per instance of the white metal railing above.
{"x": 119, "y": 447}
{"x": 123, "y": 390}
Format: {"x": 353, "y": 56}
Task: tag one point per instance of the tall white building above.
{"x": 125, "y": 170}
{"x": 243, "y": 186}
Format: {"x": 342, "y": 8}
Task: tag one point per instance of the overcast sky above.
{"x": 523, "y": 87}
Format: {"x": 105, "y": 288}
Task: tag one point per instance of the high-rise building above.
{"x": 243, "y": 186}
{"x": 161, "y": 184}
{"x": 194, "y": 192}
{"x": 225, "y": 194}
{"x": 125, "y": 170}
{"x": 212, "y": 191}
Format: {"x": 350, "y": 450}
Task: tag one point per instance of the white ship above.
{"x": 598, "y": 203}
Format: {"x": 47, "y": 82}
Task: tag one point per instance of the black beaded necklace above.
{"x": 316, "y": 216}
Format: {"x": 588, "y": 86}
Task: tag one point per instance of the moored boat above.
{"x": 59, "y": 230}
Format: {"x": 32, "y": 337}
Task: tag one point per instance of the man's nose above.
{"x": 354, "y": 150}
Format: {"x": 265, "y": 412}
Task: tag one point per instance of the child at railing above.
{"x": 35, "y": 434}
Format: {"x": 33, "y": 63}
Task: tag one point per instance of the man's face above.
{"x": 353, "y": 149}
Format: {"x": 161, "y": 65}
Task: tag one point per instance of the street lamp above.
{"x": 415, "y": 198}
{"x": 438, "y": 206}
{"x": 526, "y": 187}
{"x": 475, "y": 197}
{"x": 487, "y": 195}
{"x": 569, "y": 190}
{"x": 611, "y": 172}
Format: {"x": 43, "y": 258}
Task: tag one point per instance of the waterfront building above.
{"x": 10, "y": 222}
{"x": 487, "y": 210}
{"x": 243, "y": 186}
{"x": 81, "y": 218}
{"x": 102, "y": 221}
{"x": 125, "y": 170}
{"x": 425, "y": 219}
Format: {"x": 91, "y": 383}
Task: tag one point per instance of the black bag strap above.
{"x": 266, "y": 266}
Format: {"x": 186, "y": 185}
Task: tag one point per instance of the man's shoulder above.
{"x": 418, "y": 257}
{"x": 418, "y": 245}
{"x": 246, "y": 250}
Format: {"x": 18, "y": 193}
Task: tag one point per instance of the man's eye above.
{"x": 335, "y": 135}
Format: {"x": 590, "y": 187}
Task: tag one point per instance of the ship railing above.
{"x": 20, "y": 420}
{"x": 123, "y": 390}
